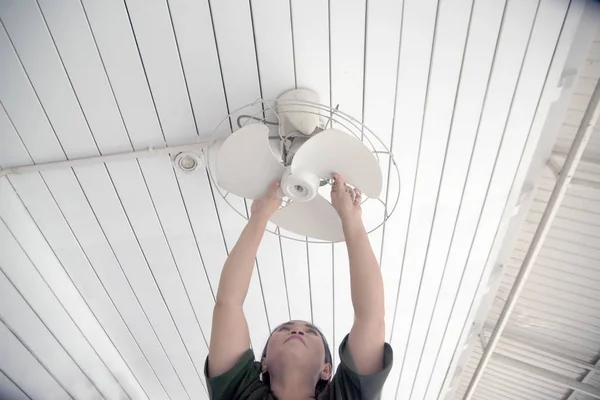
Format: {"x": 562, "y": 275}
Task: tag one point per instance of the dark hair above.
{"x": 322, "y": 384}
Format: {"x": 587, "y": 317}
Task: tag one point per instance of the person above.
{"x": 296, "y": 363}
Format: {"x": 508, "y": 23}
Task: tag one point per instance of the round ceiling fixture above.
{"x": 187, "y": 162}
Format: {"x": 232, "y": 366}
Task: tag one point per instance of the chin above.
{"x": 295, "y": 353}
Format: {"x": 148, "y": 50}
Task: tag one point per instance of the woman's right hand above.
{"x": 346, "y": 200}
{"x": 268, "y": 204}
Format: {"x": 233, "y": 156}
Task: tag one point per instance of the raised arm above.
{"x": 230, "y": 337}
{"x": 367, "y": 337}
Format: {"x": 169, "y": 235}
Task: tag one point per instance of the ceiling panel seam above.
{"x": 110, "y": 84}
{"x": 15, "y": 384}
{"x": 145, "y": 183}
{"x": 114, "y": 254}
{"x": 260, "y": 90}
{"x": 59, "y": 142}
{"x": 463, "y": 192}
{"x": 10, "y": 328}
{"x": 96, "y": 274}
{"x": 310, "y": 293}
{"x": 43, "y": 108}
{"x": 77, "y": 288}
{"x": 457, "y": 90}
{"x": 391, "y": 142}
{"x": 36, "y": 358}
{"x": 198, "y": 134}
{"x": 254, "y": 89}
{"x": 14, "y": 49}
{"x": 414, "y": 183}
{"x": 476, "y": 138}
{"x": 164, "y": 235}
{"x": 285, "y": 281}
{"x": 114, "y": 187}
{"x": 332, "y": 247}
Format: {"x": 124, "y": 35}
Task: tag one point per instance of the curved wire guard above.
{"x": 328, "y": 116}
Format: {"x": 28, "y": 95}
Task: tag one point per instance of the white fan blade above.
{"x": 336, "y": 151}
{"x": 316, "y": 219}
{"x": 246, "y": 165}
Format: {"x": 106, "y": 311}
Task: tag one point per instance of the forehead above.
{"x": 299, "y": 324}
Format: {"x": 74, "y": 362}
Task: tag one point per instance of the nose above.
{"x": 297, "y": 332}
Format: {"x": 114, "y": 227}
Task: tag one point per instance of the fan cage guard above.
{"x": 261, "y": 110}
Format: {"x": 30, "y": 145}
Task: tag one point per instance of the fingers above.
{"x": 274, "y": 186}
{"x": 357, "y": 196}
{"x": 274, "y": 189}
{"x": 340, "y": 186}
{"x": 339, "y": 183}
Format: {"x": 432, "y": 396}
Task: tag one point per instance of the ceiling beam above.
{"x": 555, "y": 169}
{"x": 561, "y": 156}
{"x": 550, "y": 376}
{"x": 588, "y": 377}
{"x": 547, "y": 349}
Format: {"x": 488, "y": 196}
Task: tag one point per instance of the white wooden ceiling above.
{"x": 108, "y": 271}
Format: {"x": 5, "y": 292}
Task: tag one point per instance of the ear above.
{"x": 326, "y": 372}
{"x": 263, "y": 365}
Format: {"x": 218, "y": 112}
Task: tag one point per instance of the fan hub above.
{"x": 299, "y": 186}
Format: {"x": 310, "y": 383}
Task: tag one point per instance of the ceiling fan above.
{"x": 303, "y": 156}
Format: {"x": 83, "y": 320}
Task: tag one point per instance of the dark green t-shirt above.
{"x": 242, "y": 382}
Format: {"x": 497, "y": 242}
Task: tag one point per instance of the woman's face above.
{"x": 299, "y": 342}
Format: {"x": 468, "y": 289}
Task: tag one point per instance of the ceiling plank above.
{"x": 235, "y": 38}
{"x": 87, "y": 307}
{"x": 156, "y": 247}
{"x": 483, "y": 36}
{"x": 70, "y": 126}
{"x": 275, "y": 56}
{"x": 310, "y": 24}
{"x": 199, "y": 57}
{"x": 384, "y": 19}
{"x": 10, "y": 389}
{"x": 54, "y": 339}
{"x": 347, "y": 58}
{"x": 523, "y": 60}
{"x": 430, "y": 224}
{"x": 93, "y": 272}
{"x": 418, "y": 20}
{"x": 25, "y": 370}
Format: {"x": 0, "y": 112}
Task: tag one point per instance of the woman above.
{"x": 296, "y": 363}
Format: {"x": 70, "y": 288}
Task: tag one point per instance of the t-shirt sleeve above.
{"x": 349, "y": 384}
{"x": 239, "y": 382}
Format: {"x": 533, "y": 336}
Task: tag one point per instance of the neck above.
{"x": 292, "y": 385}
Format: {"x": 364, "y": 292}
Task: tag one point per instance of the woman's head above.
{"x": 301, "y": 344}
